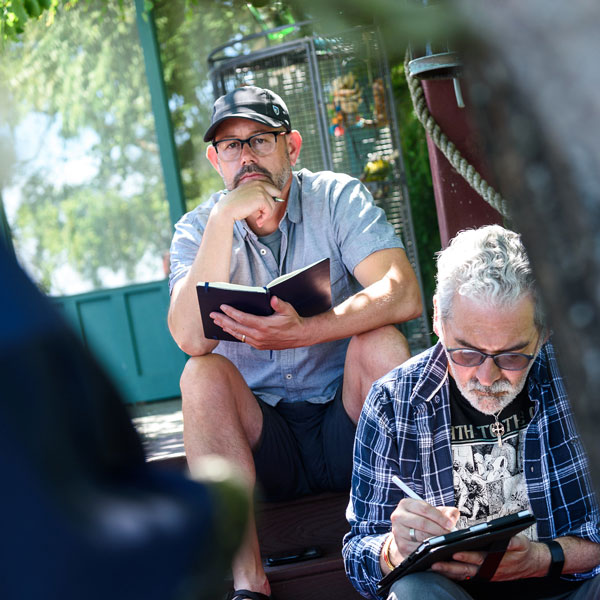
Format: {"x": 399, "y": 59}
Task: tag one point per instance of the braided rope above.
{"x": 449, "y": 150}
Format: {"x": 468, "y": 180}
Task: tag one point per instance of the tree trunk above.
{"x": 533, "y": 76}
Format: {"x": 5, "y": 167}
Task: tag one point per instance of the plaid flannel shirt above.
{"x": 404, "y": 429}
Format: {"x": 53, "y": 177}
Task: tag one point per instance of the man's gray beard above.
{"x": 491, "y": 404}
{"x": 494, "y": 405}
{"x": 281, "y": 178}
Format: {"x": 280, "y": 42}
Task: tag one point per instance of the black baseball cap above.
{"x": 249, "y": 102}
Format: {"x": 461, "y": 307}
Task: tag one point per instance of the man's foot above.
{"x": 247, "y": 595}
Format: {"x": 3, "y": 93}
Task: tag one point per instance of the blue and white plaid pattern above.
{"x": 404, "y": 429}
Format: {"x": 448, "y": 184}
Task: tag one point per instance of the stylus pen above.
{"x": 405, "y": 488}
{"x": 408, "y": 491}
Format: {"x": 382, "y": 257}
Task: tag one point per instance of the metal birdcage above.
{"x": 338, "y": 93}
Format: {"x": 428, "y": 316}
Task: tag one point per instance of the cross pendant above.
{"x": 498, "y": 430}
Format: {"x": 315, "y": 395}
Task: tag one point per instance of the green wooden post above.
{"x": 160, "y": 108}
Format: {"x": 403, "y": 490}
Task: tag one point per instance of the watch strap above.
{"x": 557, "y": 559}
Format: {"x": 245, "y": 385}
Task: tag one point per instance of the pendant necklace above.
{"x": 497, "y": 428}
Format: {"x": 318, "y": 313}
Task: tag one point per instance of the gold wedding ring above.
{"x": 244, "y": 341}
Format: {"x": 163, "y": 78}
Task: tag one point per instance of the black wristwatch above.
{"x": 558, "y": 559}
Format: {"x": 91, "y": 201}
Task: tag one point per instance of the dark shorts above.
{"x": 304, "y": 449}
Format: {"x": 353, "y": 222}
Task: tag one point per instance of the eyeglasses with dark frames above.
{"x": 508, "y": 361}
{"x": 262, "y": 144}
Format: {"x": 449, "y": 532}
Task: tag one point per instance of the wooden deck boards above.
{"x": 160, "y": 425}
{"x": 310, "y": 521}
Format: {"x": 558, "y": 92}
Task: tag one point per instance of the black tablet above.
{"x": 483, "y": 536}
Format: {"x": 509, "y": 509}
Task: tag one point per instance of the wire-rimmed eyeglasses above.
{"x": 262, "y": 144}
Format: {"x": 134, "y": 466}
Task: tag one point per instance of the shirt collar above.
{"x": 243, "y": 230}
{"x": 294, "y": 206}
{"x": 437, "y": 375}
{"x": 540, "y": 370}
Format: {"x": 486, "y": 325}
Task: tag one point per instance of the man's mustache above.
{"x": 247, "y": 169}
{"x": 499, "y": 386}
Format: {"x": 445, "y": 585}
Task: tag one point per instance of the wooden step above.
{"x": 321, "y": 579}
{"x": 309, "y": 521}
{"x": 312, "y": 521}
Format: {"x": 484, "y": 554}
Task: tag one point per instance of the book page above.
{"x": 293, "y": 273}
{"x": 225, "y": 285}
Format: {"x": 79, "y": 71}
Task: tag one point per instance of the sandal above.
{"x": 247, "y": 595}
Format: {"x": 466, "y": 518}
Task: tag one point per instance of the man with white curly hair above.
{"x": 489, "y": 388}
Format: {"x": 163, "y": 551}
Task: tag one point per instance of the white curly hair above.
{"x": 489, "y": 264}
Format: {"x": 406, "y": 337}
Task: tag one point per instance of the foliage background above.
{"x": 89, "y": 93}
{"x": 97, "y": 81}
{"x": 419, "y": 183}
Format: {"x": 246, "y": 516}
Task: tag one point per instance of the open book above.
{"x": 307, "y": 289}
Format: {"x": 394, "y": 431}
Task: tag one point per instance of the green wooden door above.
{"x": 127, "y": 330}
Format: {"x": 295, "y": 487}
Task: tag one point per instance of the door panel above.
{"x": 126, "y": 328}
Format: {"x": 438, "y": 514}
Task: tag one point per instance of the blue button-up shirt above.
{"x": 328, "y": 215}
{"x": 404, "y": 429}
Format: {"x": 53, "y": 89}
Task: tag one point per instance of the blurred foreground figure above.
{"x": 82, "y": 514}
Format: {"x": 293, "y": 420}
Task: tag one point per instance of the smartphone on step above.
{"x": 292, "y": 556}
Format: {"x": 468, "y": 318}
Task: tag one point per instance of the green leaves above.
{"x": 16, "y": 14}
{"x": 13, "y": 18}
{"x": 32, "y": 8}
{"x": 91, "y": 194}
{"x": 91, "y": 197}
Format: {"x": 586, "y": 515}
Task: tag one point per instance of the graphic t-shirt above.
{"x": 488, "y": 475}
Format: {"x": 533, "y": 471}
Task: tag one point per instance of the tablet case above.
{"x": 492, "y": 537}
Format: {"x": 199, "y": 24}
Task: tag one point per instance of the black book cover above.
{"x": 492, "y": 537}
{"x": 308, "y": 290}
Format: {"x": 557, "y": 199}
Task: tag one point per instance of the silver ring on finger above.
{"x": 413, "y": 537}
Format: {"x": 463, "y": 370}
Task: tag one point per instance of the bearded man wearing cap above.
{"x": 283, "y": 405}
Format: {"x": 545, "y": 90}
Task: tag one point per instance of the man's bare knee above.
{"x": 207, "y": 370}
{"x": 215, "y": 397}
{"x": 381, "y": 349}
{"x": 370, "y": 355}
{"x": 211, "y": 381}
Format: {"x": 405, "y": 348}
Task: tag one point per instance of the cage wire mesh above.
{"x": 338, "y": 93}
